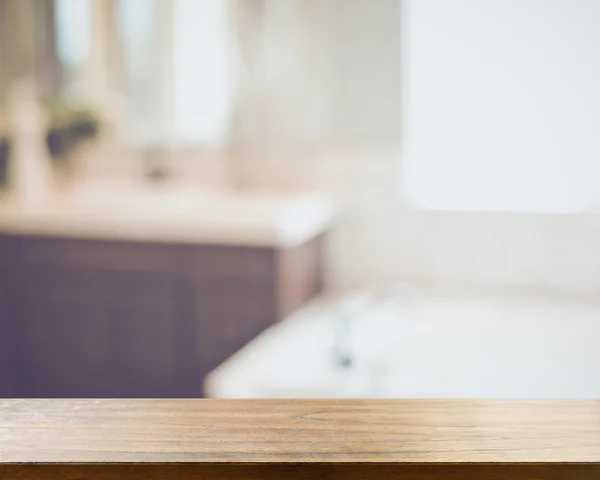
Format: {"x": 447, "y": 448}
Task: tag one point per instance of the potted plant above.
{"x": 69, "y": 125}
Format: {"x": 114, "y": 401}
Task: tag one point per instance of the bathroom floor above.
{"x": 423, "y": 345}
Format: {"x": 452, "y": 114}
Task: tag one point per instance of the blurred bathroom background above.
{"x": 292, "y": 198}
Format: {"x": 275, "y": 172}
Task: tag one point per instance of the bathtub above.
{"x": 419, "y": 344}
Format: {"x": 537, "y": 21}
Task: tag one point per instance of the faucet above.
{"x": 343, "y": 356}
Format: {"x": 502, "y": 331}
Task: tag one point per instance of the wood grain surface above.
{"x": 251, "y": 439}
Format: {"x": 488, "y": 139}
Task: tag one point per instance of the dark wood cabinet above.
{"x": 101, "y": 318}
{"x": 59, "y": 355}
{"x": 8, "y": 303}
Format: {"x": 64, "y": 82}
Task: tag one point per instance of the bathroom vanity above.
{"x": 140, "y": 294}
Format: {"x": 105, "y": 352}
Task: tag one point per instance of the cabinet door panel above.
{"x": 9, "y": 281}
{"x": 97, "y": 319}
{"x": 229, "y": 315}
{"x": 7, "y": 354}
{"x": 95, "y": 254}
{"x": 63, "y": 348}
{"x": 145, "y": 349}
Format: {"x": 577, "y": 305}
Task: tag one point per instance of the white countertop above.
{"x": 171, "y": 214}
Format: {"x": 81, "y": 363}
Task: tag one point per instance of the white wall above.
{"x": 378, "y": 238}
{"x": 202, "y": 72}
{"x": 365, "y": 54}
{"x": 501, "y": 104}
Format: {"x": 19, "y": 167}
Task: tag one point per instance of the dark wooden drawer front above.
{"x": 49, "y": 281}
{"x": 234, "y": 263}
{"x": 96, "y": 255}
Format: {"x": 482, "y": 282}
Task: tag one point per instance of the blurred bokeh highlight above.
{"x": 299, "y": 198}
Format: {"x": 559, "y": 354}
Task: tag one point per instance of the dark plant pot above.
{"x": 59, "y": 141}
{"x": 83, "y": 128}
{"x": 4, "y": 154}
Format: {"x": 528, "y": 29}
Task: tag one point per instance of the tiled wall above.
{"x": 378, "y": 237}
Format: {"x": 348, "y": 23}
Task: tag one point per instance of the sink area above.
{"x": 134, "y": 196}
{"x": 171, "y": 213}
{"x": 137, "y": 291}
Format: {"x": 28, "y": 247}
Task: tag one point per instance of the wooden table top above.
{"x": 300, "y": 431}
